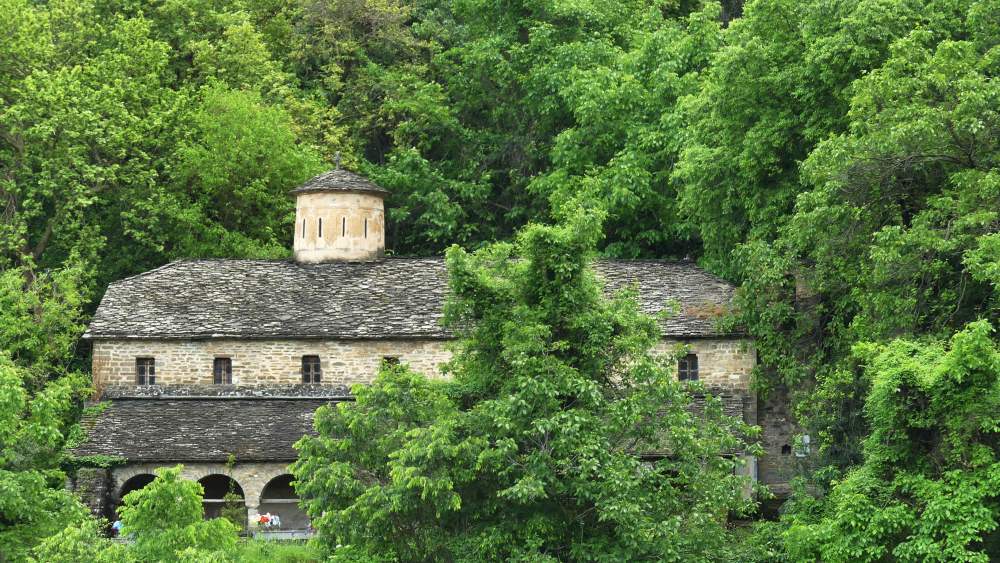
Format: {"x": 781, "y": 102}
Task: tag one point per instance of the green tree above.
{"x": 166, "y": 519}
{"x": 927, "y": 488}
{"x": 34, "y": 502}
{"x": 83, "y": 542}
{"x": 893, "y": 232}
{"x": 531, "y": 451}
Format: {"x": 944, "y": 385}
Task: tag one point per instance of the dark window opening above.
{"x": 222, "y": 371}
{"x": 391, "y": 360}
{"x": 786, "y": 450}
{"x": 135, "y": 483}
{"x": 311, "y": 371}
{"x": 687, "y": 368}
{"x": 366, "y": 228}
{"x": 343, "y": 226}
{"x": 303, "y": 228}
{"x": 145, "y": 371}
{"x": 222, "y": 495}
{"x": 320, "y": 227}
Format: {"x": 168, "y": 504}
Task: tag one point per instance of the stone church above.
{"x": 219, "y": 365}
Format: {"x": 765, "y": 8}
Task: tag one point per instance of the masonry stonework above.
{"x": 338, "y": 226}
{"x": 261, "y": 362}
{"x": 723, "y": 362}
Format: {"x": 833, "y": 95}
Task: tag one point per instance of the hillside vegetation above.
{"x": 839, "y": 161}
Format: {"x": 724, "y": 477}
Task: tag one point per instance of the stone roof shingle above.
{"x": 183, "y": 429}
{"x": 340, "y": 181}
{"x": 391, "y": 299}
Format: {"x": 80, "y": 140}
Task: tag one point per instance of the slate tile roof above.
{"x": 183, "y": 429}
{"x": 184, "y": 426}
{"x": 340, "y": 181}
{"x": 395, "y": 298}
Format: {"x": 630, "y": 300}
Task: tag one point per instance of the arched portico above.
{"x": 251, "y": 477}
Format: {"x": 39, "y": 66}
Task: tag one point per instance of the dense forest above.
{"x": 838, "y": 160}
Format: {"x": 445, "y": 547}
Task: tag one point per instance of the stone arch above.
{"x": 279, "y": 497}
{"x": 134, "y": 483}
{"x": 217, "y": 486}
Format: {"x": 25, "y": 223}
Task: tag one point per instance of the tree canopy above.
{"x": 533, "y": 449}
{"x": 836, "y": 160}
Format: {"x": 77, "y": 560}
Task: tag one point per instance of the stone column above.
{"x": 93, "y": 486}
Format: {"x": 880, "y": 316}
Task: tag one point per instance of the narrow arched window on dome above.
{"x": 320, "y": 227}
{"x": 343, "y": 226}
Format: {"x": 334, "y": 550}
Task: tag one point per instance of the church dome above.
{"x": 339, "y": 217}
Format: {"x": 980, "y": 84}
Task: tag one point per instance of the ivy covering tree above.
{"x": 531, "y": 451}
{"x": 927, "y": 488}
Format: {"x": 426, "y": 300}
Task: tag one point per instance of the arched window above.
{"x": 687, "y": 368}
{"x": 223, "y": 497}
{"x": 279, "y": 497}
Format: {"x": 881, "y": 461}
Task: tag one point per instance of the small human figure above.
{"x": 116, "y": 528}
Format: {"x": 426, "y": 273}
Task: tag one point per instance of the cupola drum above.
{"x": 339, "y": 217}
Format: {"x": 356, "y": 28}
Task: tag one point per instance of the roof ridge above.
{"x": 146, "y": 273}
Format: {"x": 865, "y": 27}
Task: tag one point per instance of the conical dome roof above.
{"x": 340, "y": 180}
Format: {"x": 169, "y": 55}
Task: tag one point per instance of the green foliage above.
{"x": 165, "y": 518}
{"x": 161, "y": 135}
{"x": 259, "y": 551}
{"x": 40, "y": 320}
{"x": 839, "y": 160}
{"x": 33, "y": 500}
{"x": 530, "y": 451}
{"x": 927, "y": 488}
{"x": 894, "y": 219}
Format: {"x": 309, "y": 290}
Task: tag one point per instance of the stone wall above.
{"x": 778, "y": 429}
{"x": 93, "y": 486}
{"x": 353, "y": 227}
{"x": 260, "y": 362}
{"x": 722, "y": 362}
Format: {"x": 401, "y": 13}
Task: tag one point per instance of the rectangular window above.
{"x": 222, "y": 371}
{"x": 303, "y": 228}
{"x": 145, "y": 371}
{"x": 343, "y": 226}
{"x": 320, "y": 227}
{"x": 311, "y": 371}
{"x": 687, "y": 368}
{"x": 366, "y": 228}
